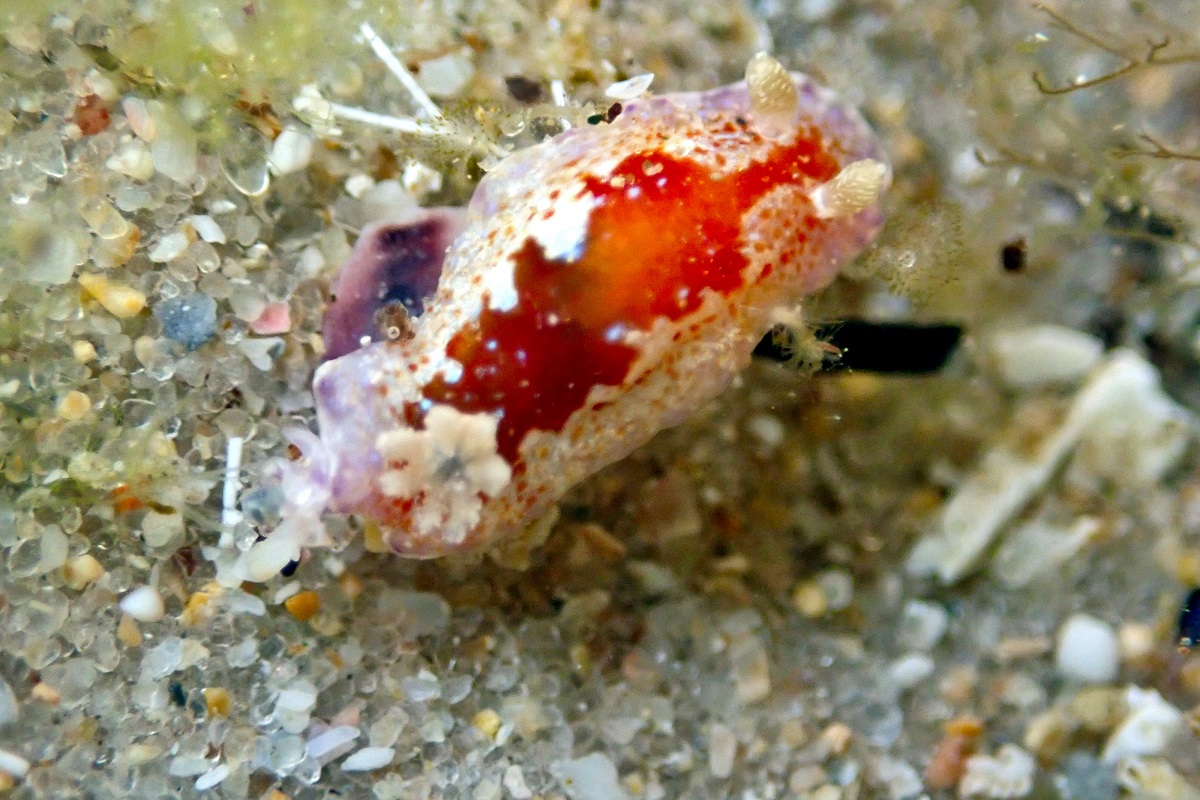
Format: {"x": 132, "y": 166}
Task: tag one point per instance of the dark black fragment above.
{"x": 1013, "y": 255}
{"x": 524, "y": 90}
{"x": 175, "y": 690}
{"x": 1189, "y": 621}
{"x": 889, "y": 347}
{"x": 1107, "y": 324}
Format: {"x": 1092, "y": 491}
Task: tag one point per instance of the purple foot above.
{"x": 394, "y": 265}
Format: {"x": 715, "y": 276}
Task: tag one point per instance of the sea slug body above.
{"x": 602, "y": 285}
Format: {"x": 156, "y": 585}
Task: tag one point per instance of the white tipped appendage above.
{"x": 856, "y": 187}
{"x": 774, "y": 102}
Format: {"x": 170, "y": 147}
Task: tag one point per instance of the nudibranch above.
{"x": 600, "y": 287}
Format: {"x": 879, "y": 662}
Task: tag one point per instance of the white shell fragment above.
{"x": 369, "y": 758}
{"x": 144, "y": 604}
{"x": 132, "y": 160}
{"x": 515, "y": 785}
{"x": 299, "y": 697}
{"x": 169, "y": 247}
{"x": 1130, "y": 431}
{"x": 207, "y": 228}
{"x": 1087, "y": 650}
{"x": 1007, "y": 774}
{"x": 592, "y": 777}
{"x": 291, "y": 151}
{"x": 332, "y": 743}
{"x": 1154, "y": 779}
{"x": 630, "y": 87}
{"x": 1146, "y": 730}
{"x": 909, "y": 670}
{"x": 1038, "y": 547}
{"x": 213, "y": 777}
{"x": 266, "y": 558}
{"x": 446, "y": 76}
{"x": 1041, "y": 355}
{"x": 13, "y": 764}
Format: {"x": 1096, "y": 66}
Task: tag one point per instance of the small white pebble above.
{"x": 722, "y": 749}
{"x": 297, "y": 699}
{"x": 386, "y": 200}
{"x": 265, "y": 559}
{"x": 358, "y": 185}
{"x": 447, "y": 75}
{"x": 133, "y": 161}
{"x": 768, "y": 429}
{"x": 1044, "y": 354}
{"x": 10, "y": 712}
{"x": 418, "y": 179}
{"x": 290, "y": 589}
{"x": 262, "y": 352}
{"x": 241, "y": 603}
{"x": 211, "y": 778}
{"x": 1087, "y": 650}
{"x": 140, "y": 120}
{"x": 13, "y": 764}
{"x": 97, "y": 83}
{"x": 514, "y": 783}
{"x": 369, "y": 758}
{"x": 169, "y": 247}
{"x": 311, "y": 262}
{"x": 592, "y": 777}
{"x": 839, "y": 588}
{"x": 54, "y": 550}
{"x": 207, "y": 229}
{"x": 144, "y": 604}
{"x": 923, "y": 624}
{"x": 291, "y": 151}
{"x": 630, "y": 88}
{"x": 1154, "y": 779}
{"x": 909, "y": 670}
{"x": 330, "y": 741}
{"x": 175, "y": 152}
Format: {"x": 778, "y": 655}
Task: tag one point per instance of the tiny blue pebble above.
{"x": 190, "y": 320}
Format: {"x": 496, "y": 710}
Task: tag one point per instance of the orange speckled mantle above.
{"x": 606, "y": 283}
